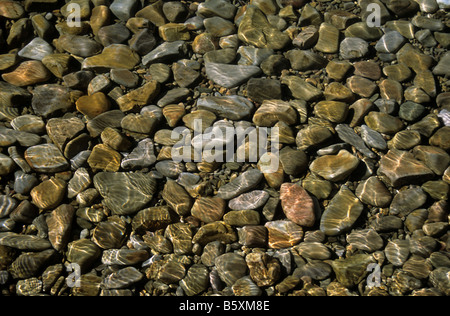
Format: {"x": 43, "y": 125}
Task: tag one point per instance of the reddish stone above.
{"x": 297, "y": 204}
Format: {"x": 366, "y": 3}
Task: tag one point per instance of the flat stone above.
{"x": 301, "y": 89}
{"x": 335, "y": 167}
{"x": 216, "y": 231}
{"x": 249, "y": 201}
{"x": 348, "y": 135}
{"x": 231, "y": 107}
{"x": 312, "y": 136}
{"x": 37, "y": 49}
{"x": 243, "y": 183}
{"x": 46, "y": 158}
{"x": 259, "y": 89}
{"x": 373, "y": 192}
{"x": 61, "y": 130}
{"x": 177, "y": 198}
{"x": 283, "y": 234}
{"x": 272, "y": 111}
{"x": 59, "y": 224}
{"x": 124, "y": 9}
{"x": 208, "y": 209}
{"x": 113, "y": 34}
{"x": 230, "y": 76}
{"x": 79, "y": 45}
{"x": 383, "y": 123}
{"x": 353, "y": 48}
{"x": 114, "y": 56}
{"x": 166, "y": 52}
{"x": 231, "y": 267}
{"x": 51, "y": 98}
{"x": 93, "y": 105}
{"x": 391, "y": 42}
{"x": 441, "y": 68}
{"x": 440, "y": 138}
{"x": 342, "y": 212}
{"x": 303, "y": 60}
{"x": 400, "y": 167}
{"x": 125, "y": 193}
{"x": 221, "y": 8}
{"x": 434, "y": 158}
{"x": 48, "y": 194}
{"x": 104, "y": 158}
{"x": 139, "y": 97}
{"x": 328, "y": 41}
{"x": 28, "y": 73}
{"x": 255, "y": 29}
{"x": 351, "y": 270}
{"x": 297, "y": 204}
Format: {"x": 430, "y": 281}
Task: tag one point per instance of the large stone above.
{"x": 125, "y": 193}
{"x": 297, "y": 204}
{"x": 272, "y": 111}
{"x": 256, "y": 30}
{"x": 115, "y": 56}
{"x": 400, "y": 168}
{"x": 335, "y": 167}
{"x": 230, "y": 76}
{"x": 342, "y": 213}
{"x": 46, "y": 158}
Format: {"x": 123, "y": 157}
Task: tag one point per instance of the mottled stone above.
{"x": 51, "y": 98}
{"x": 283, "y": 234}
{"x": 46, "y": 158}
{"x": 351, "y": 270}
{"x": 400, "y": 167}
{"x": 273, "y": 111}
{"x": 49, "y": 193}
{"x": 383, "y": 123}
{"x": 366, "y": 239}
{"x": 125, "y": 193}
{"x": 342, "y": 212}
{"x": 397, "y": 251}
{"x": 231, "y": 267}
{"x": 328, "y": 41}
{"x": 297, "y": 204}
{"x": 243, "y": 183}
{"x": 113, "y": 56}
{"x": 374, "y": 192}
{"x": 335, "y": 167}
{"x": 255, "y": 29}
{"x": 230, "y": 76}
{"x": 59, "y": 224}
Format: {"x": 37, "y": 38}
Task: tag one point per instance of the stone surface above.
{"x": 400, "y": 167}
{"x": 297, "y": 204}
{"x": 335, "y": 167}
{"x": 342, "y": 212}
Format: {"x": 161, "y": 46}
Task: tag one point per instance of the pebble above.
{"x": 254, "y": 29}
{"x": 136, "y": 190}
{"x": 335, "y": 167}
{"x": 297, "y": 204}
{"x": 342, "y": 212}
{"x": 87, "y": 120}
{"x": 231, "y": 107}
{"x": 283, "y": 234}
{"x": 374, "y": 192}
{"x": 230, "y": 76}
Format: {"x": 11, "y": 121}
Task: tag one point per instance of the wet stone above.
{"x": 342, "y": 212}
{"x": 125, "y": 193}
{"x": 283, "y": 234}
{"x": 400, "y": 167}
{"x": 397, "y": 252}
{"x": 231, "y": 267}
{"x": 335, "y": 167}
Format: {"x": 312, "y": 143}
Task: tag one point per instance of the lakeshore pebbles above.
{"x": 92, "y": 116}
